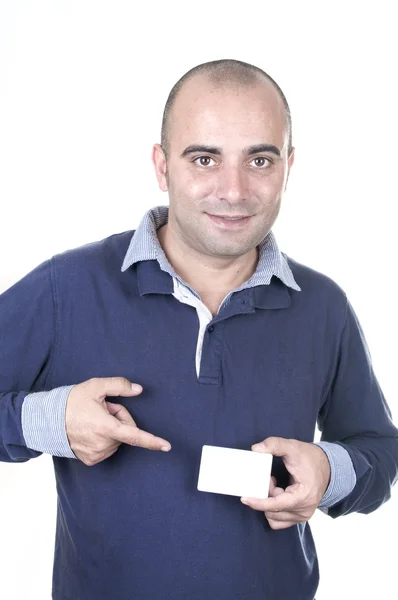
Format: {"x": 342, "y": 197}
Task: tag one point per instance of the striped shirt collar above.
{"x": 145, "y": 246}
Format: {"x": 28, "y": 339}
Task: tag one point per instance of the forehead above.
{"x": 227, "y": 115}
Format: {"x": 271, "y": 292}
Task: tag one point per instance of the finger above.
{"x": 273, "y": 490}
{"x": 90, "y": 458}
{"x": 283, "y": 517}
{"x": 111, "y": 447}
{"x": 276, "y": 491}
{"x": 136, "y": 437}
{"x": 121, "y": 413}
{"x": 105, "y": 455}
{"x": 110, "y": 452}
{"x": 280, "y": 524}
{"x": 283, "y": 501}
{"x": 113, "y": 386}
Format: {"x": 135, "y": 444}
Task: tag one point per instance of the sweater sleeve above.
{"x": 356, "y": 416}
{"x": 28, "y": 336}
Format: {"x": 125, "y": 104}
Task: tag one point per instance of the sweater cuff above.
{"x": 342, "y": 475}
{"x": 43, "y": 422}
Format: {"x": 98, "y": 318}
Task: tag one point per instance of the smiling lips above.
{"x": 228, "y": 218}
{"x": 229, "y": 221}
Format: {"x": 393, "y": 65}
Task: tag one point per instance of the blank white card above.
{"x": 235, "y": 472}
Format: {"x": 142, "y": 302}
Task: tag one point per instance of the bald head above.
{"x": 219, "y": 74}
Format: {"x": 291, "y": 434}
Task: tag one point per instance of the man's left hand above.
{"x": 309, "y": 471}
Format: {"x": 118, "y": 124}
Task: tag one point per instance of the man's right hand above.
{"x": 96, "y": 428}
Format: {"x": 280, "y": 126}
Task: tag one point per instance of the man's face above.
{"x": 227, "y": 158}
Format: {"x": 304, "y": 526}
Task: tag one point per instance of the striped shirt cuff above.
{"x": 342, "y": 475}
{"x": 43, "y": 422}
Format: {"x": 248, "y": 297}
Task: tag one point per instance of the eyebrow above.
{"x": 194, "y": 148}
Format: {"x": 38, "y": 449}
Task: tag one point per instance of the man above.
{"x": 195, "y": 329}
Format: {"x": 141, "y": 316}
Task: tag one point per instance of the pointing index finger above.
{"x": 125, "y": 433}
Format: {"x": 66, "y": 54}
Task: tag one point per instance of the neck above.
{"x": 205, "y": 274}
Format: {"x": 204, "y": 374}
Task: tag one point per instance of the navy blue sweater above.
{"x": 274, "y": 363}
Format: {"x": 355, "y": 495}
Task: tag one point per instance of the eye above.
{"x": 203, "y": 161}
{"x": 261, "y": 162}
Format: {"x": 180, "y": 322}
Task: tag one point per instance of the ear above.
{"x": 290, "y": 162}
{"x": 160, "y": 164}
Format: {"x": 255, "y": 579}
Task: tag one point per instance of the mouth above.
{"x": 230, "y": 221}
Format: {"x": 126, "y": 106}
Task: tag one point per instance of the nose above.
{"x": 232, "y": 184}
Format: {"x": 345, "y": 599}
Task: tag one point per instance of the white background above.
{"x": 82, "y": 89}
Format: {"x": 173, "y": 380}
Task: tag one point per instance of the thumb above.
{"x": 276, "y": 446}
{"x": 114, "y": 386}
